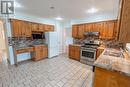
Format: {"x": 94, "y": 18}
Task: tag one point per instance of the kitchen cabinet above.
{"x": 78, "y": 31}
{"x": 48, "y": 28}
{"x": 40, "y": 52}
{"x": 74, "y": 52}
{"x": 106, "y": 78}
{"x": 35, "y": 27}
{"x": 124, "y": 21}
{"x": 75, "y": 31}
{"x": 27, "y": 29}
{"x": 41, "y": 27}
{"x": 20, "y": 28}
{"x": 15, "y": 28}
{"x": 107, "y": 29}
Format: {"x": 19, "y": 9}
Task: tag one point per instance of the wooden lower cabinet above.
{"x": 105, "y": 78}
{"x": 74, "y": 52}
{"x": 40, "y": 52}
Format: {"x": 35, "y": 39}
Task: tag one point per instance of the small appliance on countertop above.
{"x": 89, "y": 48}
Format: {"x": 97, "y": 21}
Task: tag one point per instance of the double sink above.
{"x": 114, "y": 53}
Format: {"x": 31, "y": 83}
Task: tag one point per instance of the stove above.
{"x": 89, "y": 49}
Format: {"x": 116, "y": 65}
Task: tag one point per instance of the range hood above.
{"x": 91, "y": 34}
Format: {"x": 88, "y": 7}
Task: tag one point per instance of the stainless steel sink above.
{"x": 114, "y": 54}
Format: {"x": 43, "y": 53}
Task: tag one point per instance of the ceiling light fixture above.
{"x": 59, "y": 18}
{"x": 17, "y": 5}
{"x": 92, "y": 10}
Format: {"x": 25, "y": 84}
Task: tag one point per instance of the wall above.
{"x": 26, "y": 17}
{"x": 95, "y": 18}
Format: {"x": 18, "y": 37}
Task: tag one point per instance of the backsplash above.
{"x": 111, "y": 43}
{"x": 108, "y": 43}
{"x": 24, "y": 42}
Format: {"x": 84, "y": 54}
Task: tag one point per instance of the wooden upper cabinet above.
{"x": 22, "y": 28}
{"x": 96, "y": 27}
{"x": 48, "y": 28}
{"x": 35, "y": 27}
{"x": 86, "y": 28}
{"x": 28, "y": 29}
{"x": 18, "y": 28}
{"x": 15, "y": 28}
{"x": 109, "y": 29}
{"x": 41, "y": 27}
{"x": 78, "y": 31}
{"x": 124, "y": 22}
{"x": 75, "y": 31}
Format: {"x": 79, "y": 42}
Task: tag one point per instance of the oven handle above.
{"x": 88, "y": 50}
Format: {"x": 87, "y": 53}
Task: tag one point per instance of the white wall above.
{"x": 95, "y": 18}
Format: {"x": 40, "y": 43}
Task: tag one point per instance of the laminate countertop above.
{"x": 112, "y": 63}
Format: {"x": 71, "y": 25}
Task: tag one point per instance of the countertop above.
{"x": 116, "y": 64}
{"x": 27, "y": 47}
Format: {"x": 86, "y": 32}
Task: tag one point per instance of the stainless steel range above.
{"x": 88, "y": 50}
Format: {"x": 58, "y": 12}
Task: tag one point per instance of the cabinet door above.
{"x": 96, "y": 27}
{"x": 28, "y": 29}
{"x": 75, "y": 31}
{"x": 49, "y": 28}
{"x": 15, "y": 28}
{"x": 37, "y": 52}
{"x": 77, "y": 53}
{"x": 105, "y": 78}
{"x": 41, "y": 27}
{"x": 80, "y": 31}
{"x": 86, "y": 28}
{"x": 44, "y": 51}
{"x": 101, "y": 30}
{"x": 124, "y": 35}
{"x": 109, "y": 30}
{"x": 91, "y": 27}
{"x": 35, "y": 27}
{"x": 71, "y": 51}
{"x": 74, "y": 52}
{"x": 101, "y": 78}
{"x": 116, "y": 30}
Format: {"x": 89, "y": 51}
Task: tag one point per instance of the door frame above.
{"x": 6, "y": 37}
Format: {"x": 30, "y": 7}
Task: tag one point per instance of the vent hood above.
{"x": 91, "y": 34}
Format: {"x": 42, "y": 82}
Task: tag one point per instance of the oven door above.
{"x": 88, "y": 54}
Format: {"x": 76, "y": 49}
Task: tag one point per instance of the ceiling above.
{"x": 67, "y": 9}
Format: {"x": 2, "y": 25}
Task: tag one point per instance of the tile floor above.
{"x": 56, "y": 72}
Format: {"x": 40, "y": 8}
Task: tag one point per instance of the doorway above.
{"x": 3, "y": 48}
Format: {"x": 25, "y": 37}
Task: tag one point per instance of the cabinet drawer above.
{"x": 24, "y": 50}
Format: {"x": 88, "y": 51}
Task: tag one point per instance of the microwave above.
{"x": 38, "y": 36}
